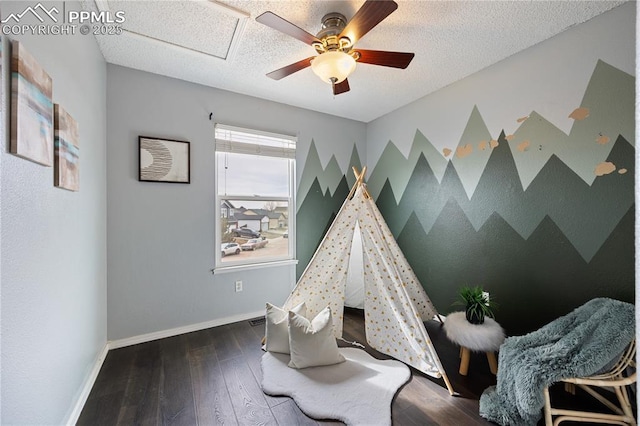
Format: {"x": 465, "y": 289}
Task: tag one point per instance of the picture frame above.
{"x": 66, "y": 165}
{"x": 164, "y": 160}
{"x": 31, "y": 108}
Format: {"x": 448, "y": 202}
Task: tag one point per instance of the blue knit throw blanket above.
{"x": 581, "y": 343}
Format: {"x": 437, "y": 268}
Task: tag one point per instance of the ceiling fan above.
{"x": 337, "y": 57}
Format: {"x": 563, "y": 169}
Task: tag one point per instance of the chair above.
{"x": 617, "y": 378}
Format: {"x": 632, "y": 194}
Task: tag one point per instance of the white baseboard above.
{"x": 142, "y": 338}
{"x": 86, "y": 389}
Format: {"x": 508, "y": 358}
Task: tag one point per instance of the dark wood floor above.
{"x": 213, "y": 377}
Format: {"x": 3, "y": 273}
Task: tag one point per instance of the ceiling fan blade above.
{"x": 272, "y": 20}
{"x": 384, "y": 58}
{"x": 368, "y": 16}
{"x": 341, "y": 87}
{"x": 290, "y": 69}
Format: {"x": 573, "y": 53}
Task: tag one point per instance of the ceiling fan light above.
{"x": 333, "y": 67}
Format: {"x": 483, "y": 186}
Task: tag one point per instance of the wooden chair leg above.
{"x": 493, "y": 363}
{"x": 464, "y": 361}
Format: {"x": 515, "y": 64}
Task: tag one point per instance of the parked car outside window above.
{"x": 253, "y": 244}
{"x": 246, "y": 232}
{"x": 230, "y": 248}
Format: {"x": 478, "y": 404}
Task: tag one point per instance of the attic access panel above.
{"x": 206, "y": 27}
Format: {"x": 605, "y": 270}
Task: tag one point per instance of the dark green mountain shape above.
{"x": 314, "y": 217}
{"x": 561, "y": 280}
{"x": 556, "y": 278}
{"x": 450, "y": 188}
{"x": 441, "y": 257}
{"x": 387, "y": 166}
{"x": 611, "y": 196}
{"x": 534, "y": 281}
{"x": 420, "y": 197}
{"x": 612, "y": 269}
{"x": 386, "y": 203}
{"x": 585, "y": 214}
{"x": 500, "y": 191}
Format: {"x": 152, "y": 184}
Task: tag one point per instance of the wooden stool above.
{"x": 486, "y": 337}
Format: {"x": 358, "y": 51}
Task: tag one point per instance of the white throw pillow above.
{"x": 311, "y": 342}
{"x": 277, "y": 327}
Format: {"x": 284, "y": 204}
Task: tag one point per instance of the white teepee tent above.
{"x": 395, "y": 303}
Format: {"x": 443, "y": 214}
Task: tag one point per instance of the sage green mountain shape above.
{"x": 470, "y": 165}
{"x": 393, "y": 165}
{"x": 533, "y": 143}
{"x": 328, "y": 177}
{"x": 610, "y": 98}
{"x": 312, "y": 169}
{"x": 331, "y": 176}
{"x": 424, "y": 196}
{"x": 353, "y": 162}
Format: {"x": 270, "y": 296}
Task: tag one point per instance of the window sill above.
{"x": 238, "y": 268}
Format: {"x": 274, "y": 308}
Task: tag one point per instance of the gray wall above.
{"x": 53, "y": 244}
{"x": 162, "y": 236}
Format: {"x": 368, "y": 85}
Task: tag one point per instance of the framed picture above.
{"x": 164, "y": 160}
{"x": 31, "y": 108}
{"x": 66, "y": 166}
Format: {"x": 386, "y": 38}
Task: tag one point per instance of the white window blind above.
{"x": 254, "y": 142}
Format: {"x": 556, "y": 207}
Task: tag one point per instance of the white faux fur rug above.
{"x": 358, "y": 391}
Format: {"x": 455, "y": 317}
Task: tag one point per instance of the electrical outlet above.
{"x": 485, "y": 294}
{"x": 238, "y": 286}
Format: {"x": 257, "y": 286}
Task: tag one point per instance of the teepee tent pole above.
{"x": 359, "y": 180}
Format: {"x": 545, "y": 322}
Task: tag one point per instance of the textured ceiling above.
{"x": 220, "y": 44}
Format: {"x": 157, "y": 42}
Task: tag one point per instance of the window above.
{"x": 255, "y": 175}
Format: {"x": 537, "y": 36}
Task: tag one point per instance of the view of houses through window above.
{"x": 269, "y": 224}
{"x": 254, "y": 192}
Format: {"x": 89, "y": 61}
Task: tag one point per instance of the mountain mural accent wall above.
{"x": 542, "y": 219}
{"x": 564, "y": 258}
{"x": 609, "y": 105}
{"x": 556, "y": 192}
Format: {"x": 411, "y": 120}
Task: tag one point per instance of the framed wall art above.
{"x": 66, "y": 166}
{"x": 164, "y": 160}
{"x": 31, "y": 108}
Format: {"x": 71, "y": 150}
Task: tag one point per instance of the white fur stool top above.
{"x": 486, "y": 337}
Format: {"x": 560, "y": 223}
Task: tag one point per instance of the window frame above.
{"x": 290, "y": 258}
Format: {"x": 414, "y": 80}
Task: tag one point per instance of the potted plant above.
{"x": 477, "y": 304}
